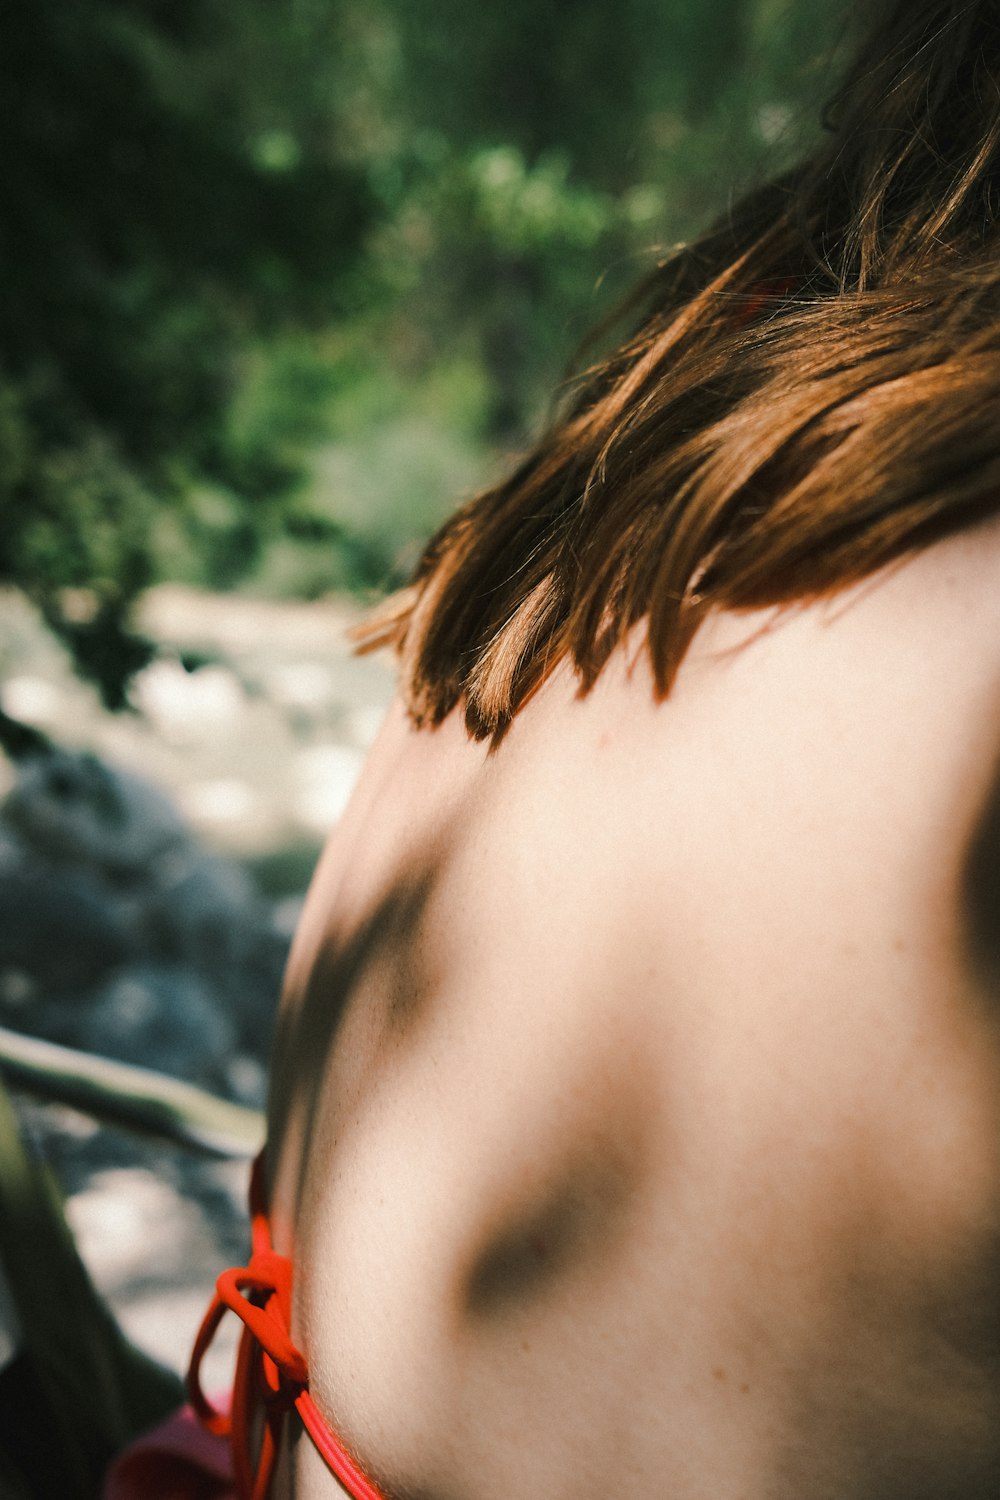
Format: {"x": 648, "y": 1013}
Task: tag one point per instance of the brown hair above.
{"x": 811, "y": 392}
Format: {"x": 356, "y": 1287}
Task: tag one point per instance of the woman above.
{"x": 636, "y": 1109}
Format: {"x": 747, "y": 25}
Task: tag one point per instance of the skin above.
{"x": 636, "y": 1113}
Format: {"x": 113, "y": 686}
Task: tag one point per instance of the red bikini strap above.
{"x": 270, "y": 1371}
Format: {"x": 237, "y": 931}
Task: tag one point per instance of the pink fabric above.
{"x": 178, "y": 1460}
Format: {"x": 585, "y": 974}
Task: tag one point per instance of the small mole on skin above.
{"x": 744, "y": 1389}
{"x": 900, "y": 945}
{"x": 719, "y": 1374}
{"x": 525, "y": 1345}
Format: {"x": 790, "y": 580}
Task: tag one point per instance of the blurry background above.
{"x": 281, "y": 281}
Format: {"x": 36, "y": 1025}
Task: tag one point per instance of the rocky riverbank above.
{"x": 151, "y": 869}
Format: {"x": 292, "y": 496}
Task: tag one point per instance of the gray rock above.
{"x": 56, "y": 930}
{"x": 121, "y": 933}
{"x": 160, "y": 1017}
{"x": 72, "y": 807}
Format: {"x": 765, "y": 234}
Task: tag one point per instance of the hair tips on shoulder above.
{"x": 806, "y": 395}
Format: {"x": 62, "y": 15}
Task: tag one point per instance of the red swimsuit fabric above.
{"x": 178, "y": 1460}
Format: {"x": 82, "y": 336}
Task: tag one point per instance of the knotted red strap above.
{"x": 271, "y": 1373}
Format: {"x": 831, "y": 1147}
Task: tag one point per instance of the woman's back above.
{"x": 648, "y": 1067}
{"x": 636, "y": 1110}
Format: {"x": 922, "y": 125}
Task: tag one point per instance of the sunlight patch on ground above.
{"x": 124, "y": 1217}
{"x": 363, "y": 724}
{"x": 224, "y": 800}
{"x": 187, "y": 707}
{"x": 32, "y": 700}
{"x": 325, "y": 776}
{"x": 307, "y": 685}
{"x": 151, "y": 1251}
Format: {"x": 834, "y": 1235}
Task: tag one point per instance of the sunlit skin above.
{"x": 636, "y": 1113}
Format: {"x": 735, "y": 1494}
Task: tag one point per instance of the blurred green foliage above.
{"x": 284, "y": 279}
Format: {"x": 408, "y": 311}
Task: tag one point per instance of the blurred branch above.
{"x": 136, "y": 1098}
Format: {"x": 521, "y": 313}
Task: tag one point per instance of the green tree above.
{"x": 168, "y": 196}
{"x": 222, "y": 222}
{"x": 540, "y": 150}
